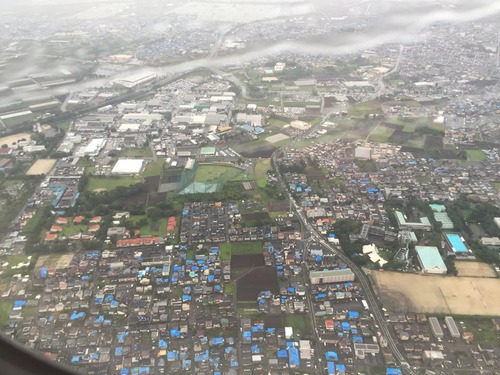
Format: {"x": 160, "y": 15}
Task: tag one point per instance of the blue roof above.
{"x": 283, "y": 353}
{"x": 393, "y": 371}
{"x": 293, "y": 358}
{"x": 331, "y": 356}
{"x": 331, "y": 367}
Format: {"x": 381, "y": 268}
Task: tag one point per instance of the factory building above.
{"x": 452, "y": 326}
{"x": 436, "y": 328}
{"x": 331, "y": 276}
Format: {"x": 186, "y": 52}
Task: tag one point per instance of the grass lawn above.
{"x": 298, "y": 322}
{"x": 8, "y": 183}
{"x": 5, "y": 309}
{"x": 110, "y": 183}
{"x": 496, "y": 185}
{"x": 260, "y": 172}
{"x": 219, "y": 173}
{"x": 134, "y": 152}
{"x": 277, "y": 122}
{"x": 425, "y": 179}
{"x": 229, "y": 288}
{"x": 154, "y": 168}
{"x": 33, "y": 222}
{"x": 275, "y": 214}
{"x": 191, "y": 253}
{"x": 475, "y": 155}
{"x": 225, "y": 252}
{"x": 71, "y": 229}
{"x": 158, "y": 228}
{"x": 249, "y": 247}
{"x": 14, "y": 260}
{"x": 247, "y": 308}
{"x": 381, "y": 134}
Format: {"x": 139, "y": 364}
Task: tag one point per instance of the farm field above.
{"x": 243, "y": 248}
{"x": 381, "y": 133}
{"x": 438, "y": 294}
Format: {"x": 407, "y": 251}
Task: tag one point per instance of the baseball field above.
{"x": 438, "y": 294}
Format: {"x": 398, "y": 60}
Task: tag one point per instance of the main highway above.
{"x": 371, "y": 298}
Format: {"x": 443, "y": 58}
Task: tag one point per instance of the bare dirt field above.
{"x": 8, "y": 140}
{"x": 255, "y": 281}
{"x": 438, "y": 294}
{"x": 277, "y": 138}
{"x": 57, "y": 261}
{"x": 474, "y": 269}
{"x": 41, "y": 166}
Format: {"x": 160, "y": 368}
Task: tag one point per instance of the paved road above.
{"x": 370, "y": 296}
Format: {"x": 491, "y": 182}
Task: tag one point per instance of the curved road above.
{"x": 363, "y": 279}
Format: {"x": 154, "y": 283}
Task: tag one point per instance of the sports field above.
{"x": 438, "y": 294}
{"x": 41, "y": 166}
{"x": 57, "y": 261}
{"x": 474, "y": 269}
{"x": 219, "y": 174}
{"x": 110, "y": 183}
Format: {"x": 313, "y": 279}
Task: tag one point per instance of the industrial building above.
{"x": 361, "y": 349}
{"x": 331, "y": 276}
{"x": 436, "y": 329}
{"x": 430, "y": 260}
{"x": 128, "y": 166}
{"x": 424, "y": 223}
{"x": 95, "y": 146}
{"x": 452, "y": 326}
{"x": 135, "y": 79}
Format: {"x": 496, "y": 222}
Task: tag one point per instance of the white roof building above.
{"x": 128, "y": 166}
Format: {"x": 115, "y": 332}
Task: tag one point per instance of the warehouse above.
{"x": 436, "y": 328}
{"x": 331, "y": 276}
{"x": 430, "y": 260}
{"x": 95, "y": 146}
{"x": 128, "y": 166}
{"x": 452, "y": 326}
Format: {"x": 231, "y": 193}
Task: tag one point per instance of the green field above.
{"x": 475, "y": 155}
{"x": 154, "y": 168}
{"x": 34, "y": 221}
{"x": 260, "y": 172}
{"x": 496, "y": 185}
{"x": 225, "y": 252}
{"x": 381, "y": 134}
{"x": 110, "y": 183}
{"x": 250, "y": 146}
{"x": 158, "y": 228}
{"x": 482, "y": 328}
{"x": 416, "y": 142}
{"x": 361, "y": 109}
{"x": 218, "y": 173}
{"x": 136, "y": 152}
{"x": 277, "y": 122}
{"x": 14, "y": 260}
{"x": 299, "y": 322}
{"x": 5, "y": 309}
{"x": 71, "y": 229}
{"x": 229, "y": 288}
{"x": 243, "y": 248}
